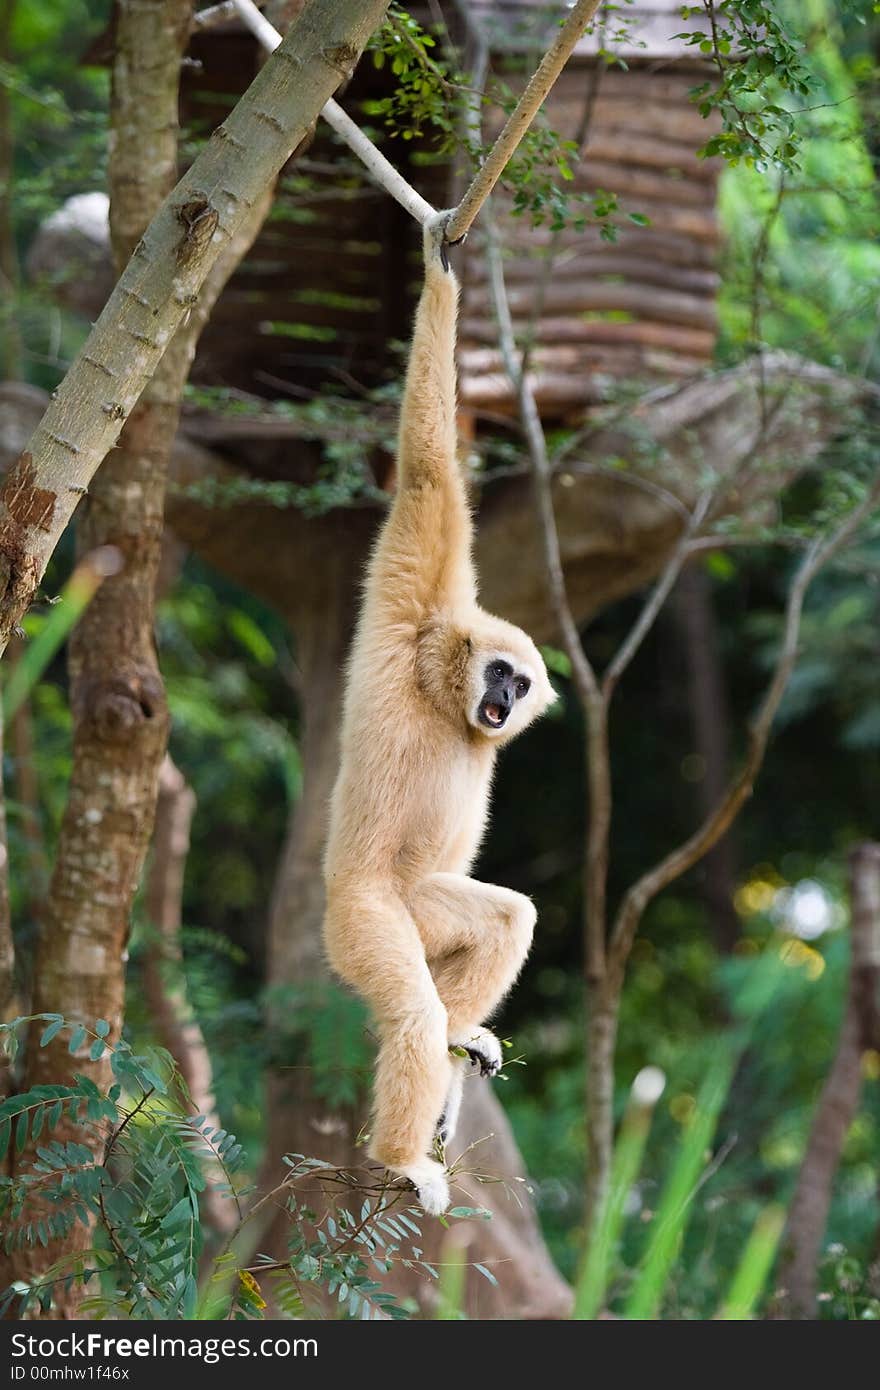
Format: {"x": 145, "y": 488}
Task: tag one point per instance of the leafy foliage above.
{"x": 129, "y": 1165}
{"x": 760, "y": 65}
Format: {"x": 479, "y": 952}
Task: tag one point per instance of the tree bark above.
{"x": 117, "y": 696}
{"x": 838, "y": 1103}
{"x": 202, "y": 216}
{"x": 603, "y": 1007}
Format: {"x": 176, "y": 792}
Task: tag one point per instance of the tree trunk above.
{"x": 838, "y": 1104}
{"x": 117, "y": 696}
{"x": 199, "y": 220}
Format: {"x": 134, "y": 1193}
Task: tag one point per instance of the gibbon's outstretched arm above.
{"x": 423, "y": 561}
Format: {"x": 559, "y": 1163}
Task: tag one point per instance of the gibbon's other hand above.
{"x": 436, "y": 244}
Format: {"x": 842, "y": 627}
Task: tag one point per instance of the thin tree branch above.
{"x": 656, "y": 599}
{"x": 593, "y": 700}
{"x": 582, "y": 670}
{"x": 740, "y": 787}
{"x": 581, "y": 137}
{"x": 214, "y": 15}
{"x": 501, "y": 152}
{"x": 598, "y": 470}
{"x": 379, "y": 168}
{"x": 521, "y": 117}
{"x": 161, "y": 284}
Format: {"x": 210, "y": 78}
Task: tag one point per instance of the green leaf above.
{"x": 97, "y": 1049}
{"x": 102, "y": 1027}
{"x": 77, "y": 1039}
{"x": 179, "y": 1215}
{"x": 51, "y": 1031}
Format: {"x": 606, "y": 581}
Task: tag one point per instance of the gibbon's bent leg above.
{"x": 476, "y": 937}
{"x": 382, "y": 957}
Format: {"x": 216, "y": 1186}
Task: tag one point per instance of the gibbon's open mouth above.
{"x": 493, "y": 716}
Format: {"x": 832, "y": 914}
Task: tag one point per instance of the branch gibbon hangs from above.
{"x": 434, "y": 687}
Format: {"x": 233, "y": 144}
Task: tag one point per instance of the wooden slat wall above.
{"x": 331, "y": 281}
{"x": 599, "y": 312}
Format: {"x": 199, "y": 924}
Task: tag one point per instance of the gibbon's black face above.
{"x": 504, "y": 686}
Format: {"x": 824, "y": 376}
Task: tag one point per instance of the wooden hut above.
{"x": 330, "y": 283}
{"x": 643, "y": 306}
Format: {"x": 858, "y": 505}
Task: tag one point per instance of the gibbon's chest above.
{"x": 446, "y": 809}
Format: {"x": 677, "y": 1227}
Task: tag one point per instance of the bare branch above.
{"x": 584, "y": 675}
{"x": 740, "y": 787}
{"x": 504, "y": 148}
{"x": 377, "y": 166}
{"x": 520, "y": 119}
{"x": 214, "y": 15}
{"x": 655, "y": 600}
{"x": 594, "y": 702}
{"x": 160, "y": 285}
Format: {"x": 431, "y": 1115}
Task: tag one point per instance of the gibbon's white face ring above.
{"x": 500, "y": 689}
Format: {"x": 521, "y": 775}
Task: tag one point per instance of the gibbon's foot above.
{"x": 483, "y": 1048}
{"x": 429, "y": 1180}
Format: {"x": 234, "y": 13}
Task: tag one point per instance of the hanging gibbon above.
{"x": 435, "y": 686}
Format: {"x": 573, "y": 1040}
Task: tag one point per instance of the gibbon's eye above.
{"x": 522, "y": 687}
{"x": 498, "y": 670}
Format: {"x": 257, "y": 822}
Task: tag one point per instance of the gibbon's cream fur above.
{"x": 435, "y": 686}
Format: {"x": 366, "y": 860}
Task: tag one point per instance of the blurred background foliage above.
{"x": 801, "y": 272}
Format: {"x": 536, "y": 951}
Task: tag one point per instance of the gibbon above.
{"x": 434, "y": 687}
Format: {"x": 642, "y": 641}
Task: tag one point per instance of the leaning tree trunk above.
{"x": 117, "y": 695}
{"x": 202, "y": 217}
{"x": 529, "y": 1286}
